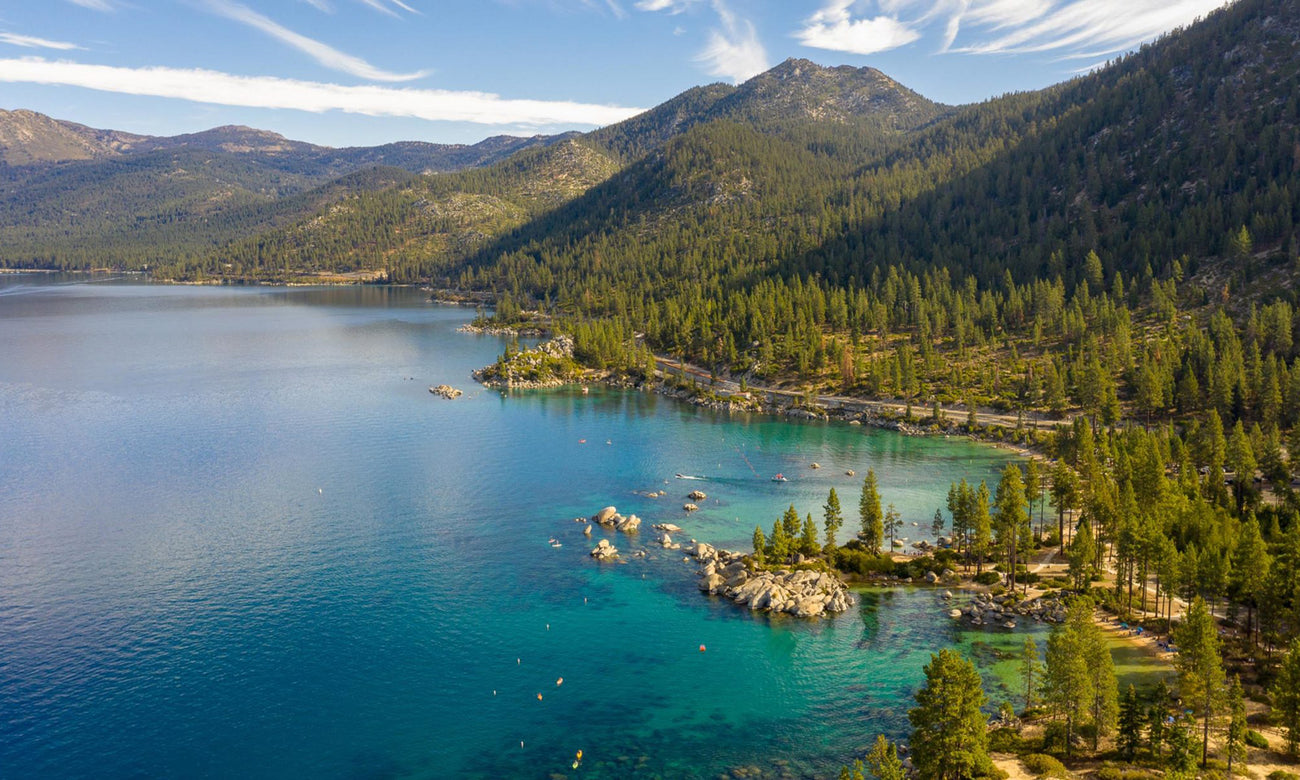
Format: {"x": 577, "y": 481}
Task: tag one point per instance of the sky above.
{"x": 366, "y": 72}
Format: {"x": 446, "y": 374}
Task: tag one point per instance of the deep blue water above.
{"x": 238, "y": 537}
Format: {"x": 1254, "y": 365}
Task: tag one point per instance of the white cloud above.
{"x": 734, "y": 52}
{"x": 320, "y": 5}
{"x": 32, "y": 42}
{"x": 324, "y": 54}
{"x": 94, "y": 5}
{"x": 671, "y": 6}
{"x": 206, "y": 86}
{"x": 834, "y": 28}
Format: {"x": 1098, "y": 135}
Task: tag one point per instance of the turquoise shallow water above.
{"x": 238, "y": 537}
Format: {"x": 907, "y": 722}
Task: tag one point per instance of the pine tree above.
{"x": 779, "y": 544}
{"x": 1180, "y": 764}
{"x": 937, "y": 524}
{"x": 1079, "y": 679}
{"x": 1157, "y": 719}
{"x": 760, "y": 545}
{"x": 949, "y": 737}
{"x": 1029, "y": 669}
{"x": 1200, "y": 666}
{"x": 873, "y": 520}
{"x": 981, "y": 530}
{"x": 893, "y": 524}
{"x": 1034, "y": 489}
{"x": 1010, "y": 519}
{"x": 834, "y": 519}
{"x": 1286, "y": 697}
{"x": 883, "y": 760}
{"x": 1235, "y": 739}
{"x": 856, "y": 772}
{"x": 1132, "y": 716}
{"x": 1065, "y": 494}
{"x": 808, "y": 544}
{"x": 793, "y": 525}
{"x": 1082, "y": 553}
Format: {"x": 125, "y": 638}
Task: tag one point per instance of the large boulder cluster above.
{"x": 1000, "y": 610}
{"x": 802, "y": 593}
{"x": 610, "y": 518}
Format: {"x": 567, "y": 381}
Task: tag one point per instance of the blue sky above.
{"x": 362, "y": 72}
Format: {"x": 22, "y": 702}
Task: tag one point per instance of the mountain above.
{"x": 73, "y": 196}
{"x": 27, "y": 137}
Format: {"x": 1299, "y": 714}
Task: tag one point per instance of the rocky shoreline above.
{"x": 500, "y": 330}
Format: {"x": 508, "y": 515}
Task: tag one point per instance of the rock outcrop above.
{"x": 446, "y": 391}
{"x": 697, "y": 495}
{"x": 802, "y": 593}
{"x": 604, "y": 551}
{"x": 1001, "y": 610}
{"x": 610, "y": 518}
{"x": 690, "y": 507}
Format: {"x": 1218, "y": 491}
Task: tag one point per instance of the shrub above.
{"x": 1005, "y": 741}
{"x": 1116, "y": 773}
{"x": 1280, "y": 774}
{"x": 988, "y": 578}
{"x": 862, "y": 562}
{"x": 1043, "y": 765}
{"x": 1255, "y": 739}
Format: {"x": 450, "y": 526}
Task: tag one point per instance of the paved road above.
{"x": 669, "y": 367}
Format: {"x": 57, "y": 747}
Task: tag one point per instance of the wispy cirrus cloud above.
{"x": 671, "y": 6}
{"x": 1073, "y": 28}
{"x": 207, "y": 86}
{"x": 32, "y": 42}
{"x": 733, "y": 50}
{"x": 323, "y": 53}
{"x": 94, "y": 5}
{"x": 1092, "y": 28}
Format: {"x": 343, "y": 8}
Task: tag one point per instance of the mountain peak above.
{"x": 800, "y": 88}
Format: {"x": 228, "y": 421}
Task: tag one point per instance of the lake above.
{"x": 239, "y": 537}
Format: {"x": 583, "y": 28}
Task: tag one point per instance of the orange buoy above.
{"x": 539, "y": 697}
{"x": 559, "y": 682}
{"x": 579, "y": 755}
{"x": 701, "y": 648}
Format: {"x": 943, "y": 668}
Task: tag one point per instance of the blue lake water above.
{"x": 239, "y": 537}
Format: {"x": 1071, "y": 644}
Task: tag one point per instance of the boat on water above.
{"x": 689, "y": 476}
{"x": 780, "y": 478}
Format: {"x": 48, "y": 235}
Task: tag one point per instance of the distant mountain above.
{"x": 27, "y": 137}
{"x": 74, "y": 196}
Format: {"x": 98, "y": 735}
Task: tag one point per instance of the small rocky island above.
{"x": 446, "y": 391}
{"x": 1003, "y": 610}
{"x": 799, "y": 592}
{"x": 549, "y": 364}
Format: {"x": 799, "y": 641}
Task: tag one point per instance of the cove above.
{"x": 238, "y": 537}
